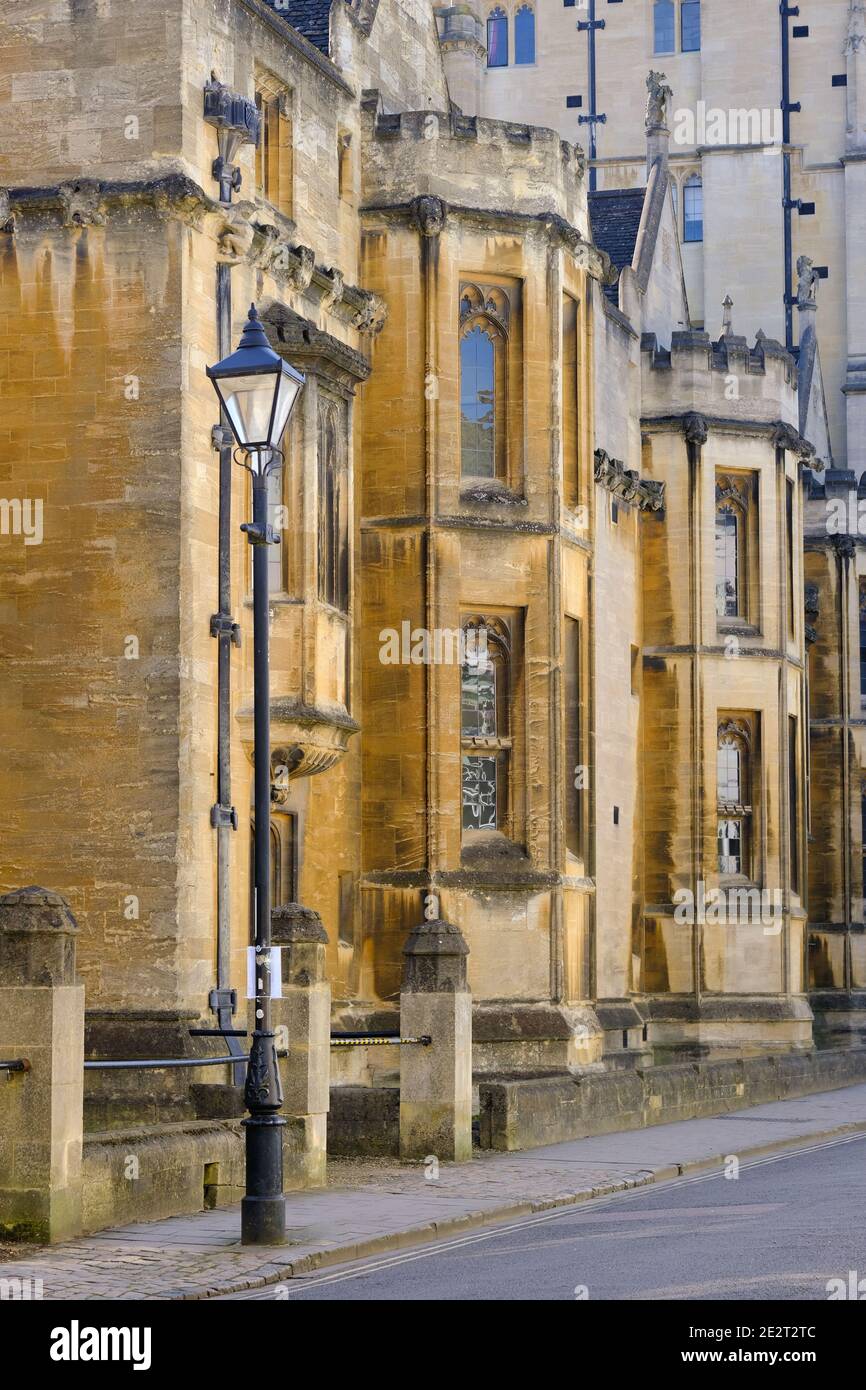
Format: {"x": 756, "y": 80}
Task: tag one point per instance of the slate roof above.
{"x": 614, "y": 216}
{"x": 309, "y": 17}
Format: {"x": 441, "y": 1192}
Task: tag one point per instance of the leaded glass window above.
{"x": 727, "y": 562}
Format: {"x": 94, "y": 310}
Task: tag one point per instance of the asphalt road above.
{"x": 781, "y": 1230}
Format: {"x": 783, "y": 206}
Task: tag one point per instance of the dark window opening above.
{"x": 524, "y": 35}
{"x": 664, "y": 26}
{"x": 690, "y": 26}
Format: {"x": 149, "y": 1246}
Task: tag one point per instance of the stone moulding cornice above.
{"x": 304, "y": 342}
{"x": 696, "y": 427}
{"x": 627, "y": 485}
{"x": 240, "y": 239}
{"x": 430, "y": 214}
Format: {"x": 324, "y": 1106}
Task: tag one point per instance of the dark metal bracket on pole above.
{"x": 589, "y": 26}
{"x": 787, "y": 12}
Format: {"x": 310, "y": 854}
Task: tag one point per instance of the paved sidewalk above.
{"x": 371, "y": 1206}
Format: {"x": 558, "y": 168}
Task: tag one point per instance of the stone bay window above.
{"x": 311, "y": 657}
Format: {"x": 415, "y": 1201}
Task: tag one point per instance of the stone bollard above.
{"x": 41, "y": 1111}
{"x": 436, "y": 1081}
{"x": 302, "y": 1018}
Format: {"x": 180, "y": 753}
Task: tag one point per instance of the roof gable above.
{"x": 615, "y": 216}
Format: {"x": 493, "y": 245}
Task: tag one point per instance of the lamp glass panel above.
{"x": 248, "y": 401}
{"x": 287, "y": 394}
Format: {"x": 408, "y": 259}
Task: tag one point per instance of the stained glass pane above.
{"x": 479, "y": 793}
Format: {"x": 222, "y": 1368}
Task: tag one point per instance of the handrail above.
{"x": 17, "y": 1064}
{"x": 161, "y": 1062}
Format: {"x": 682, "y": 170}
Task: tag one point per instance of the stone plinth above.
{"x": 302, "y": 1020}
{"x": 41, "y": 1110}
{"x": 436, "y": 1080}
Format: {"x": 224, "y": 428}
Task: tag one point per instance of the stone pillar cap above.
{"x": 293, "y": 922}
{"x": 436, "y": 938}
{"x": 35, "y": 909}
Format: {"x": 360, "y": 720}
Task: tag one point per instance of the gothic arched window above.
{"x": 483, "y": 395}
{"x": 733, "y": 777}
{"x": 524, "y": 35}
{"x": 732, "y": 548}
{"x": 693, "y": 209}
{"x": 497, "y": 39}
{"x": 485, "y": 725}
{"x": 664, "y": 26}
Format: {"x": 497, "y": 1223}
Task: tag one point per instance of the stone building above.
{"x": 537, "y": 640}
{"x": 768, "y": 142}
{"x": 766, "y": 163}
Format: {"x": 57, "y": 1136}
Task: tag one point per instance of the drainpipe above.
{"x": 593, "y": 119}
{"x": 788, "y": 204}
{"x": 236, "y": 121}
{"x": 224, "y": 817}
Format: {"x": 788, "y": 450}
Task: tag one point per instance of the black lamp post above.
{"x": 257, "y": 391}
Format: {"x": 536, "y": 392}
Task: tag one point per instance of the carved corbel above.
{"x": 334, "y": 290}
{"x": 429, "y": 213}
{"x": 235, "y": 238}
{"x": 80, "y": 202}
{"x": 372, "y": 315}
{"x": 695, "y": 428}
{"x": 301, "y": 270}
{"x": 786, "y": 437}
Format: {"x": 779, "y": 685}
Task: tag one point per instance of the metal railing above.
{"x": 161, "y": 1062}
{"x": 155, "y": 1064}
{"x": 17, "y": 1064}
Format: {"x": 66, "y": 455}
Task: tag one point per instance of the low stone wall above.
{"x": 524, "y": 1113}
{"x": 364, "y": 1120}
{"x": 148, "y": 1173}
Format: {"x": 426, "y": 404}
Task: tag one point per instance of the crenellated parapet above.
{"x": 497, "y": 169}
{"x": 732, "y": 385}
